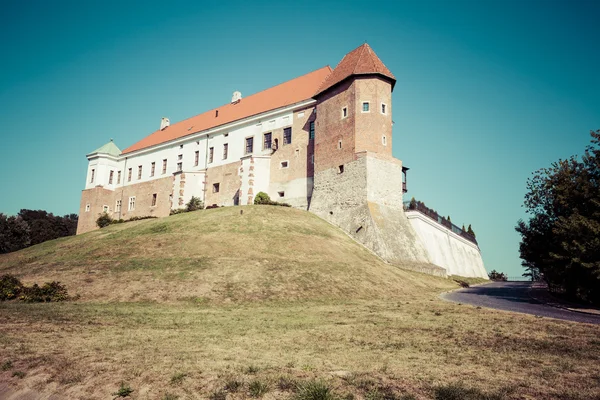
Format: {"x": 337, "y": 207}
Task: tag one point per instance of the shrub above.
{"x": 137, "y": 218}
{"x": 10, "y": 287}
{"x": 104, "y": 220}
{"x": 287, "y": 383}
{"x": 124, "y": 391}
{"x": 19, "y": 374}
{"x": 258, "y": 388}
{"x": 497, "y": 276}
{"x": 233, "y": 385}
{"x": 194, "y": 204}
{"x": 178, "y": 211}
{"x": 178, "y": 378}
{"x": 263, "y": 199}
{"x": 6, "y": 365}
{"x": 314, "y": 390}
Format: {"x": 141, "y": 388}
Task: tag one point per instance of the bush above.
{"x": 104, "y": 220}
{"x": 258, "y": 388}
{"x": 497, "y": 276}
{"x": 124, "y": 391}
{"x": 263, "y": 199}
{"x": 194, "y": 204}
{"x": 10, "y": 287}
{"x": 178, "y": 211}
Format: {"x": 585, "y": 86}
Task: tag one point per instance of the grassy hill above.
{"x": 270, "y": 303}
{"x": 218, "y": 255}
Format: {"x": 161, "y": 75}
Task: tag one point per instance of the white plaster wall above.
{"x": 447, "y": 249}
{"x": 297, "y": 191}
{"x": 235, "y": 137}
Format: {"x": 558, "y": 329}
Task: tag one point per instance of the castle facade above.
{"x": 320, "y": 142}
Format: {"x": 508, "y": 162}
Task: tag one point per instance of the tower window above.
{"x": 153, "y": 199}
{"x": 179, "y": 167}
{"x": 196, "y": 158}
{"x": 216, "y": 188}
{"x": 139, "y": 172}
{"x": 92, "y": 177}
{"x": 339, "y": 144}
{"x": 164, "y": 169}
{"x": 152, "y": 168}
{"x": 340, "y": 169}
{"x": 365, "y": 106}
{"x": 118, "y": 177}
{"x": 281, "y": 194}
{"x": 383, "y": 108}
{"x": 225, "y": 150}
{"x": 211, "y": 154}
{"x": 344, "y": 112}
{"x": 284, "y": 164}
{"x": 384, "y": 140}
{"x": 87, "y": 207}
{"x": 129, "y": 175}
{"x": 249, "y": 145}
{"x": 110, "y": 177}
{"x": 311, "y": 130}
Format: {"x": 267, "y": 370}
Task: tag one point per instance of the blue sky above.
{"x": 487, "y": 91}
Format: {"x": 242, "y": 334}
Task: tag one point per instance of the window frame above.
{"x": 154, "y": 200}
{"x": 368, "y": 104}
{"x": 129, "y": 174}
{"x": 311, "y": 130}
{"x": 383, "y": 109}
{"x": 211, "y": 155}
{"x": 286, "y": 166}
{"x": 139, "y": 172}
{"x": 118, "y": 206}
{"x": 196, "y": 158}
{"x": 216, "y": 187}
{"x": 251, "y": 138}
{"x": 87, "y": 207}
{"x": 93, "y": 175}
{"x": 225, "y": 151}
{"x": 270, "y": 141}
{"x": 152, "y": 168}
{"x": 119, "y": 177}
{"x": 131, "y": 204}
{"x": 344, "y": 112}
{"x": 288, "y": 129}
{"x": 164, "y": 167}
{"x": 111, "y": 175}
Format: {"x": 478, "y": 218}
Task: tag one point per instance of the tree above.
{"x": 194, "y": 204}
{"x": 561, "y": 240}
{"x": 413, "y": 204}
{"x": 497, "y": 276}
{"x": 14, "y": 234}
{"x": 470, "y": 231}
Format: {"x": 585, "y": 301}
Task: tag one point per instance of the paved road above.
{"x": 514, "y": 296}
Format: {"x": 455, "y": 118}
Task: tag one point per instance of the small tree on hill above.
{"x": 104, "y": 220}
{"x": 497, "y": 276}
{"x": 413, "y": 204}
{"x": 262, "y": 198}
{"x": 194, "y": 204}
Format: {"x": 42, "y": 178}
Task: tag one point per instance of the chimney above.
{"x": 237, "y": 96}
{"x": 164, "y": 123}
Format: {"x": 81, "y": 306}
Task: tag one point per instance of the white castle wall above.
{"x": 447, "y": 249}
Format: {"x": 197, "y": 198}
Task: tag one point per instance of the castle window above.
{"x": 110, "y": 177}
{"x": 344, "y": 112}
{"x": 179, "y": 167}
{"x": 249, "y": 145}
{"x": 129, "y": 175}
{"x": 287, "y": 136}
{"x": 211, "y": 154}
{"x": 267, "y": 143}
{"x": 225, "y": 151}
{"x": 216, "y": 188}
{"x": 87, "y": 207}
{"x": 105, "y": 209}
{"x": 118, "y": 177}
{"x": 180, "y": 157}
{"x": 118, "y": 206}
{"x": 152, "y": 168}
{"x": 196, "y": 158}
{"x": 340, "y": 169}
{"x": 139, "y": 172}
{"x": 281, "y": 194}
{"x": 284, "y": 164}
{"x": 383, "y": 108}
{"x": 311, "y": 130}
{"x": 339, "y": 144}
{"x": 365, "y": 106}
{"x": 154, "y": 200}
{"x": 164, "y": 169}
{"x": 92, "y": 177}
{"x": 384, "y": 140}
{"x": 131, "y": 203}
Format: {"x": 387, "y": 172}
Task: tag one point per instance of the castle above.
{"x": 321, "y": 142}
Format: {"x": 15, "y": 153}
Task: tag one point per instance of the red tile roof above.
{"x": 285, "y": 94}
{"x": 360, "y": 61}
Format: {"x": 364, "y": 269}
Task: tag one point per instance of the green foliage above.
{"x": 104, "y": 220}
{"x": 258, "y": 388}
{"x": 14, "y": 234}
{"x": 413, "y": 204}
{"x": 123, "y": 391}
{"x": 561, "y": 239}
{"x": 194, "y": 204}
{"x": 11, "y": 288}
{"x": 263, "y": 199}
{"x": 178, "y": 211}
{"x": 497, "y": 276}
{"x": 315, "y": 390}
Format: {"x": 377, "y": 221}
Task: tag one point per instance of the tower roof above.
{"x": 360, "y": 61}
{"x": 109, "y": 148}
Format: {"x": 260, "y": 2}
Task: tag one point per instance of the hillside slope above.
{"x": 220, "y": 255}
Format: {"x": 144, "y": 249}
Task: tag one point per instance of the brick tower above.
{"x": 357, "y": 181}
